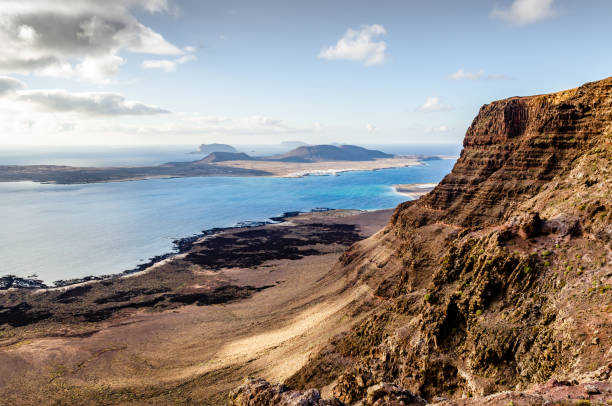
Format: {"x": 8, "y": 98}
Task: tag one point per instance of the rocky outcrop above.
{"x": 500, "y": 278}
{"x": 516, "y": 146}
{"x": 258, "y": 392}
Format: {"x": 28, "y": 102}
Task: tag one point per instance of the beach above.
{"x": 414, "y": 190}
{"x": 298, "y": 169}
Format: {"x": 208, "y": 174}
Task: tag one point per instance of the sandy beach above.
{"x": 414, "y": 190}
{"x": 298, "y": 169}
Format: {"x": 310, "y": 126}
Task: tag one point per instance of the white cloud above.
{"x": 9, "y": 85}
{"x": 76, "y": 39}
{"x": 167, "y": 65}
{"x": 88, "y": 103}
{"x": 371, "y": 128}
{"x": 438, "y": 129}
{"x": 434, "y": 104}
{"x": 466, "y": 75}
{"x": 522, "y": 12}
{"x": 463, "y": 75}
{"x": 359, "y": 45}
{"x": 163, "y": 64}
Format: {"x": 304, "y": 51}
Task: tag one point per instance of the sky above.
{"x": 144, "y": 72}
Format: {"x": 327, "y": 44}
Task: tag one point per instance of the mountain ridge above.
{"x": 321, "y": 153}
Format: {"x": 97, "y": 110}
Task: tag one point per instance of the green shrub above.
{"x": 427, "y": 297}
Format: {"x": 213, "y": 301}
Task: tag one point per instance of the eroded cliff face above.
{"x": 500, "y": 278}
{"x": 517, "y": 145}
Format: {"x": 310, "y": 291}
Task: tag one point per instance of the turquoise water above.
{"x": 62, "y": 232}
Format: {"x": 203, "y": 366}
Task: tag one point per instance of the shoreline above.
{"x": 181, "y": 246}
{"x": 414, "y": 190}
{"x": 241, "y": 298}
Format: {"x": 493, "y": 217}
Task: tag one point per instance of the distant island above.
{"x": 210, "y": 148}
{"x": 301, "y": 161}
{"x": 322, "y": 153}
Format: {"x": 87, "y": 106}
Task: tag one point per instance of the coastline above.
{"x": 234, "y": 304}
{"x": 325, "y": 168}
{"x": 181, "y": 247}
{"x": 414, "y": 190}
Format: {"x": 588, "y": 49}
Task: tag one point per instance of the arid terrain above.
{"x": 293, "y": 169}
{"x": 248, "y": 301}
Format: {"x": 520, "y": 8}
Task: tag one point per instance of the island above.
{"x": 206, "y": 149}
{"x": 301, "y": 161}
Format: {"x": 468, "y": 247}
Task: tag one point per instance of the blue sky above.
{"x": 187, "y": 71}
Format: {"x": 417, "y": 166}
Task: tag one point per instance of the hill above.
{"x": 320, "y": 153}
{"x": 225, "y": 156}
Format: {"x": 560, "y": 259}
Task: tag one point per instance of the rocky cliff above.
{"x": 498, "y": 280}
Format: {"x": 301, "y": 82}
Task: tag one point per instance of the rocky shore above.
{"x": 181, "y": 246}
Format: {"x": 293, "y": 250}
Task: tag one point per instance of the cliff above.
{"x": 500, "y": 278}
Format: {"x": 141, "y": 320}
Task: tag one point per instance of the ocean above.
{"x": 72, "y": 231}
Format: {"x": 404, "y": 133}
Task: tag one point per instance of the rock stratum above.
{"x": 496, "y": 287}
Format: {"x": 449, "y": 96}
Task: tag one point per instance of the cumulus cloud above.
{"x": 434, "y": 104}
{"x": 167, "y": 65}
{"x": 522, "y": 12}
{"x": 104, "y": 104}
{"x": 480, "y": 75}
{"x": 359, "y": 45}
{"x": 371, "y": 128}
{"x": 9, "y": 85}
{"x": 77, "y": 38}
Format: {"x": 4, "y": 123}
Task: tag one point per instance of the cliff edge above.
{"x": 496, "y": 287}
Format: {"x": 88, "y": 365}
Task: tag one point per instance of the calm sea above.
{"x": 63, "y": 232}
